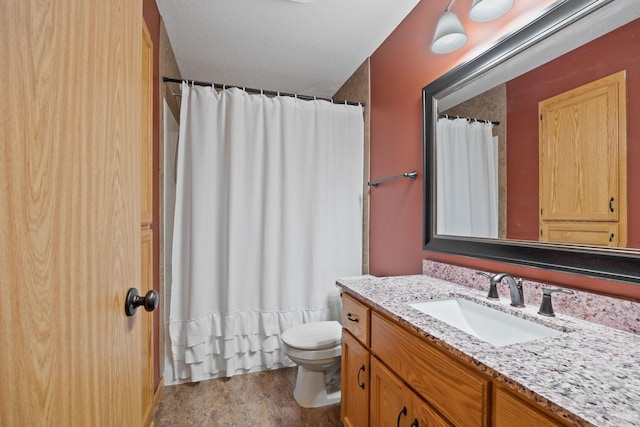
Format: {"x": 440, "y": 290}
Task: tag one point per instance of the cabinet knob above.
{"x": 352, "y": 318}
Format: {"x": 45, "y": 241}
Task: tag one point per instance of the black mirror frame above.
{"x": 612, "y": 264}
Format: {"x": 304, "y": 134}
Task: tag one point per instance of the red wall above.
{"x": 599, "y": 58}
{"x": 400, "y": 68}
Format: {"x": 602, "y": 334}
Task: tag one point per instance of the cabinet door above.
{"x": 583, "y": 159}
{"x": 389, "y": 405}
{"x": 354, "y": 408}
{"x": 394, "y": 404}
{"x": 424, "y": 415}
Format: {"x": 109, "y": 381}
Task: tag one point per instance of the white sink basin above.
{"x": 488, "y": 324}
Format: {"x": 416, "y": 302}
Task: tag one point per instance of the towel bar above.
{"x": 410, "y": 175}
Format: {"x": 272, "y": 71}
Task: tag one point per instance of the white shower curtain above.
{"x": 268, "y": 216}
{"x": 467, "y": 178}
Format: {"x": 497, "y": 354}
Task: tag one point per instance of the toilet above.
{"x": 315, "y": 347}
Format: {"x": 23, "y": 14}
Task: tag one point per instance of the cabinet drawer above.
{"x": 355, "y": 318}
{"x": 585, "y": 233}
{"x": 511, "y": 411}
{"x": 460, "y": 393}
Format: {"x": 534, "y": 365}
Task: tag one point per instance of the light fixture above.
{"x": 488, "y": 10}
{"x": 450, "y": 34}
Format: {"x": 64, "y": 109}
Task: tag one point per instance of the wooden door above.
{"x": 146, "y": 218}
{"x": 70, "y": 213}
{"x": 354, "y": 408}
{"x": 583, "y": 163}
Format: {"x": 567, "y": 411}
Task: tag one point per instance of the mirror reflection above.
{"x": 547, "y": 155}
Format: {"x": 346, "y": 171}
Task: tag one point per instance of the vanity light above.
{"x": 450, "y": 34}
{"x": 488, "y": 10}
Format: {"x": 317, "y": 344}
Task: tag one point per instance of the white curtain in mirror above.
{"x": 467, "y": 178}
{"x": 268, "y": 216}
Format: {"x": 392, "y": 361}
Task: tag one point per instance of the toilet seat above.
{"x": 313, "y": 355}
{"x": 314, "y": 336}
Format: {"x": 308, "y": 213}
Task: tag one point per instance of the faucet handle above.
{"x": 493, "y": 290}
{"x": 546, "y": 308}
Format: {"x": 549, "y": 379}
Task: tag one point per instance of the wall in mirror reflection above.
{"x": 515, "y": 105}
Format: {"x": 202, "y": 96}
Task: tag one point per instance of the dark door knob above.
{"x": 134, "y": 300}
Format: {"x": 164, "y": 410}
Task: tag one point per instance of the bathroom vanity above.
{"x": 402, "y": 367}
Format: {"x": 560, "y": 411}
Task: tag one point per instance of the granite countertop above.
{"x": 590, "y": 374}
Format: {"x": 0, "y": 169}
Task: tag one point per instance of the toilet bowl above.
{"x": 315, "y": 347}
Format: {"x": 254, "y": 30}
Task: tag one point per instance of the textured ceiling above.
{"x": 281, "y": 45}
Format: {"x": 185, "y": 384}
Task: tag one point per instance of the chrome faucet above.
{"x": 515, "y": 287}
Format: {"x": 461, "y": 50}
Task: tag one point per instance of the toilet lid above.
{"x": 313, "y": 335}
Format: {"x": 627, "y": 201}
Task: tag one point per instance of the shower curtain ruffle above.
{"x": 218, "y": 345}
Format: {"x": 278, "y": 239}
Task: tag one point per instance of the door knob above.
{"x": 134, "y": 300}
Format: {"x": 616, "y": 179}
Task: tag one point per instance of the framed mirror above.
{"x": 572, "y": 45}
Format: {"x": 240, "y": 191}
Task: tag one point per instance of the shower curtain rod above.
{"x": 471, "y": 119}
{"x": 260, "y": 91}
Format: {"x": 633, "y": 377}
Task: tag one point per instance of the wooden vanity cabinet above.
{"x": 392, "y": 376}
